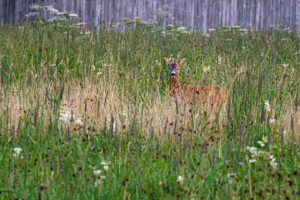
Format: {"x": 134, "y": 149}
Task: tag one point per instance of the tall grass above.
{"x": 114, "y": 87}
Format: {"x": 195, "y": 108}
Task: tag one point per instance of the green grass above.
{"x": 129, "y": 120}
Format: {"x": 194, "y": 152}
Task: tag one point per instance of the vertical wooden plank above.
{"x": 298, "y": 15}
{"x": 64, "y": 5}
{"x": 294, "y": 13}
{"x": 258, "y": 14}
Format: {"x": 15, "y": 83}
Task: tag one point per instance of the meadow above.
{"x": 87, "y": 114}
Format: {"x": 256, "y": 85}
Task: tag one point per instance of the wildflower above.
{"x": 272, "y": 121}
{"x": 52, "y": 10}
{"x": 284, "y": 65}
{"x": 17, "y": 152}
{"x": 274, "y": 164}
{"x": 64, "y": 119}
{"x": 252, "y": 161}
{"x": 78, "y": 121}
{"x": 267, "y": 106}
{"x": 105, "y": 167}
{"x": 105, "y": 163}
{"x": 73, "y": 15}
{"x": 93, "y": 67}
{"x": 97, "y": 172}
{"x": 35, "y": 76}
{"x": 20, "y": 115}
{"x": 261, "y": 143}
{"x": 180, "y": 179}
{"x": 206, "y": 69}
{"x": 99, "y": 73}
{"x": 240, "y": 163}
{"x": 252, "y": 150}
{"x": 264, "y": 139}
{"x": 11, "y": 64}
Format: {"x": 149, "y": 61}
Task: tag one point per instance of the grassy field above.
{"x": 88, "y": 115}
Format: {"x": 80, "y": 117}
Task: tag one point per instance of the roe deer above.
{"x": 185, "y": 92}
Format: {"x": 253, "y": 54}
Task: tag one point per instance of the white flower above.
{"x": 93, "y": 67}
{"x": 261, "y": 143}
{"x": 273, "y": 159}
{"x": 78, "y": 121}
{"x": 97, "y": 172}
{"x": 219, "y": 59}
{"x": 206, "y": 69}
{"x": 64, "y": 119}
{"x": 105, "y": 167}
{"x": 73, "y": 15}
{"x": 252, "y": 161}
{"x": 17, "y": 152}
{"x": 181, "y": 28}
{"x": 52, "y": 10}
{"x": 284, "y": 65}
{"x": 99, "y": 73}
{"x": 180, "y": 179}
{"x": 267, "y": 106}
{"x": 34, "y": 6}
{"x": 253, "y": 150}
{"x": 284, "y": 132}
{"x": 264, "y": 139}
{"x": 105, "y": 163}
{"x": 273, "y": 164}
{"x": 272, "y": 121}
{"x": 158, "y": 63}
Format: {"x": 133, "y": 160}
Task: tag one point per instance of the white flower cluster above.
{"x": 66, "y": 116}
{"x": 52, "y": 10}
{"x": 273, "y": 162}
{"x": 255, "y": 153}
{"x": 34, "y": 6}
{"x": 98, "y": 172}
{"x": 267, "y": 106}
{"x": 105, "y": 165}
{"x": 17, "y": 152}
{"x": 206, "y": 69}
{"x": 180, "y": 179}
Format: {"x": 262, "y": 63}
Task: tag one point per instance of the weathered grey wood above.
{"x": 297, "y": 22}
{"x": 202, "y": 14}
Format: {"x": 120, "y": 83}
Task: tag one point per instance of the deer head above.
{"x": 174, "y": 66}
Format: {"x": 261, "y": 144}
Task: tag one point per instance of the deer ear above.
{"x": 181, "y": 62}
{"x": 167, "y": 61}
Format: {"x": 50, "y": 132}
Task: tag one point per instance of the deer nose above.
{"x": 173, "y": 74}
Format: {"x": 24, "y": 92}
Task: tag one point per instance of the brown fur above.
{"x": 215, "y": 94}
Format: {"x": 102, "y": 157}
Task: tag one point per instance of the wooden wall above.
{"x": 194, "y": 13}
